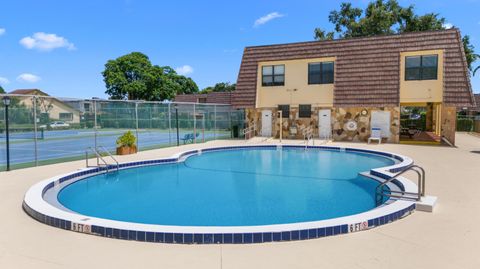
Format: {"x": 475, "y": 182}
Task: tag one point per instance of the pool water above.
{"x": 232, "y": 188}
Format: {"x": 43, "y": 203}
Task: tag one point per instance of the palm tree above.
{"x": 476, "y": 57}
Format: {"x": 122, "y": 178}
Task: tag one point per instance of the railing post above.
{"x": 423, "y": 182}
{"x": 281, "y": 124}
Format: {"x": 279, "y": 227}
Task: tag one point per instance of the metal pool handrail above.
{"x": 380, "y": 192}
{"x": 99, "y": 157}
{"x": 249, "y": 130}
{"x": 308, "y": 135}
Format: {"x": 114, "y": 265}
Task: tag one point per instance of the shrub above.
{"x": 126, "y": 140}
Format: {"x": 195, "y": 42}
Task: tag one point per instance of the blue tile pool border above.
{"x": 221, "y": 238}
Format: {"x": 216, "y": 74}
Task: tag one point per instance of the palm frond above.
{"x": 475, "y": 70}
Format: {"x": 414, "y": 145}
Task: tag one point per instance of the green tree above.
{"x": 470, "y": 54}
{"x": 220, "y": 87}
{"x": 383, "y": 17}
{"x": 133, "y": 77}
{"x": 1, "y": 89}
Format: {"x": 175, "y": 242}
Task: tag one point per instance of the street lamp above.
{"x": 6, "y": 102}
{"x": 176, "y": 119}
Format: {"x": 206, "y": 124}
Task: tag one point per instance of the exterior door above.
{"x": 267, "y": 123}
{"x": 324, "y": 123}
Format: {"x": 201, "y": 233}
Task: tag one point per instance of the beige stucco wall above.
{"x": 421, "y": 90}
{"x": 296, "y": 89}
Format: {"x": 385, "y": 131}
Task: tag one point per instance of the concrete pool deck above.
{"x": 447, "y": 238}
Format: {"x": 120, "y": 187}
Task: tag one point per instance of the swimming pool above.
{"x": 226, "y": 192}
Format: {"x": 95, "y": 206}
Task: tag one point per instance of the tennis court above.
{"x": 70, "y": 144}
{"x": 46, "y": 129}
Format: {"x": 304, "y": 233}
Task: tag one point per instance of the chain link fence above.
{"x": 45, "y": 129}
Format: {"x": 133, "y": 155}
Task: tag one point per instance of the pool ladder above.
{"x": 98, "y": 151}
{"x": 249, "y": 130}
{"x": 308, "y": 135}
{"x": 380, "y": 191}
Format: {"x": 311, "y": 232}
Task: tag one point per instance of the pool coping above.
{"x": 35, "y": 205}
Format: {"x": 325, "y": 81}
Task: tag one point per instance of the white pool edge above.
{"x": 37, "y": 207}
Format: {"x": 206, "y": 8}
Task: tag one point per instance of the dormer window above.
{"x": 273, "y": 75}
{"x": 320, "y": 73}
{"x": 423, "y": 67}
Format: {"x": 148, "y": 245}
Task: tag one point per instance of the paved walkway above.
{"x": 447, "y": 238}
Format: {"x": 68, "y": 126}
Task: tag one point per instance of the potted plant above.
{"x": 126, "y": 144}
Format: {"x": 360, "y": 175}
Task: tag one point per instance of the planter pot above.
{"x": 126, "y": 150}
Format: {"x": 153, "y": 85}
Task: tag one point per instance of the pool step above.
{"x": 427, "y": 203}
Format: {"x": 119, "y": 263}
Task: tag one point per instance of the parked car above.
{"x": 56, "y": 125}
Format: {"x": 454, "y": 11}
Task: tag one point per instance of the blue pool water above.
{"x": 232, "y": 188}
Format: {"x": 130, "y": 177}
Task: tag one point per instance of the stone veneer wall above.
{"x": 340, "y": 118}
{"x": 449, "y": 123}
{"x": 255, "y": 116}
{"x": 362, "y": 116}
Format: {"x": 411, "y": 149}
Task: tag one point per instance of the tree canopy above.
{"x": 132, "y": 76}
{"x": 1, "y": 89}
{"x": 220, "y": 87}
{"x": 383, "y": 17}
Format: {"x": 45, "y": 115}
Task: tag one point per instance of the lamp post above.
{"x": 176, "y": 120}
{"x": 6, "y": 102}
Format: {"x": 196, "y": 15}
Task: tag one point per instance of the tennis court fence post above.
{"x": 214, "y": 122}
{"x": 136, "y": 125}
{"x": 194, "y": 125}
{"x": 169, "y": 125}
{"x": 35, "y": 131}
{"x": 95, "y": 124}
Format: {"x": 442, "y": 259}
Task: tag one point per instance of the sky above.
{"x": 61, "y": 47}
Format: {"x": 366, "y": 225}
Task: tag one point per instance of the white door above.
{"x": 267, "y": 123}
{"x": 324, "y": 123}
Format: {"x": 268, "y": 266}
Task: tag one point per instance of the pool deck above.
{"x": 447, "y": 238}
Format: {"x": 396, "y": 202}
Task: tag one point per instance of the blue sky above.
{"x": 61, "y": 46}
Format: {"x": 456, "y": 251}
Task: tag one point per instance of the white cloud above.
{"x": 29, "y": 78}
{"x": 46, "y": 42}
{"x": 4, "y": 81}
{"x": 447, "y": 25}
{"x": 2, "y": 31}
{"x": 267, "y": 18}
{"x": 184, "y": 70}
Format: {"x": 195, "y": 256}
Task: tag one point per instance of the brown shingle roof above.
{"x": 212, "y": 98}
{"x": 367, "y": 70}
